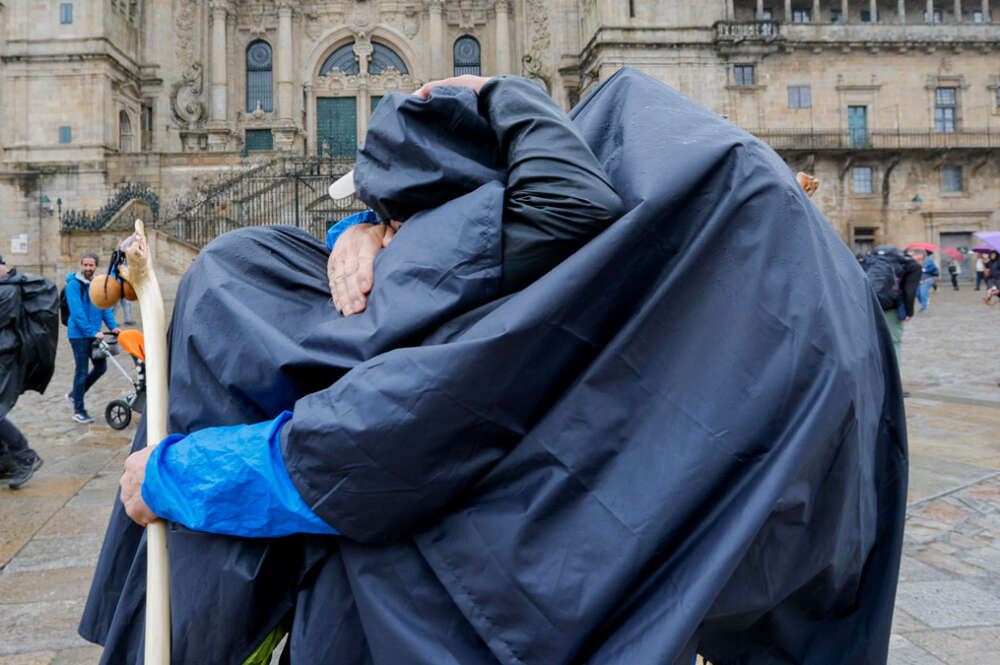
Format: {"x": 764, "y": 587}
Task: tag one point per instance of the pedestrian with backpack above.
{"x": 84, "y": 324}
{"x": 29, "y": 337}
{"x": 894, "y": 277}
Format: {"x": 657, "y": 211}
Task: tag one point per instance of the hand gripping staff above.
{"x": 140, "y": 274}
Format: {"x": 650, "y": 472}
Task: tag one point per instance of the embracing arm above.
{"x": 558, "y": 196}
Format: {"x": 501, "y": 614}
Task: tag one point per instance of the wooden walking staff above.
{"x": 141, "y": 275}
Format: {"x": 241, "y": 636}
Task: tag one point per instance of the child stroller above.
{"x": 119, "y": 411}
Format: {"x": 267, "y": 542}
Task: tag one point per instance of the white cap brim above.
{"x": 343, "y": 187}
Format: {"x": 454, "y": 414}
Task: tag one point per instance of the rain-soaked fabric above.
{"x": 630, "y": 460}
{"x": 29, "y": 335}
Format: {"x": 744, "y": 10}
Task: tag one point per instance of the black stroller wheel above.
{"x": 118, "y": 414}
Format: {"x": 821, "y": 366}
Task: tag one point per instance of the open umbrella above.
{"x": 922, "y": 245}
{"x": 982, "y": 249}
{"x": 991, "y": 238}
{"x": 953, "y": 253}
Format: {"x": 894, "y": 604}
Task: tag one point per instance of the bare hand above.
{"x": 350, "y": 268}
{"x": 131, "y": 488}
{"x": 463, "y": 81}
{"x": 117, "y": 331}
{"x": 99, "y": 335}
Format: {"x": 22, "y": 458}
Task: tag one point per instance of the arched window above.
{"x": 259, "y": 92}
{"x": 466, "y": 53}
{"x": 124, "y": 132}
{"x": 384, "y": 57}
{"x": 342, "y": 59}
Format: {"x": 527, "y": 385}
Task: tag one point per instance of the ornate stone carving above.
{"x": 390, "y": 80}
{"x": 393, "y": 81}
{"x": 337, "y": 81}
{"x": 466, "y": 15}
{"x": 185, "y": 97}
{"x": 534, "y": 63}
{"x": 185, "y": 29}
{"x": 363, "y": 49}
{"x": 363, "y": 18}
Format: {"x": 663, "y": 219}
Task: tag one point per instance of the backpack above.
{"x": 64, "y": 304}
{"x": 883, "y": 274}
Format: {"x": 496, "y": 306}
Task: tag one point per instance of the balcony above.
{"x": 739, "y": 31}
{"x": 868, "y": 34}
{"x": 875, "y": 139}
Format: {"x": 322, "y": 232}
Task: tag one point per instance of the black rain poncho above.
{"x": 631, "y": 459}
{"x": 29, "y": 336}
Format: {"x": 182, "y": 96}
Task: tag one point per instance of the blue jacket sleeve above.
{"x": 228, "y": 480}
{"x": 366, "y": 217}
{"x": 109, "y": 318}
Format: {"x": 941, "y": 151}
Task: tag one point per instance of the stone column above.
{"x": 435, "y": 7}
{"x": 844, "y": 10}
{"x": 219, "y": 98}
{"x": 817, "y": 13}
{"x": 901, "y": 10}
{"x": 958, "y": 11}
{"x": 503, "y": 37}
{"x": 759, "y": 13}
{"x": 730, "y": 10}
{"x": 873, "y": 10}
{"x": 930, "y": 11}
{"x": 285, "y": 60}
{"x": 986, "y": 11}
{"x": 788, "y": 11}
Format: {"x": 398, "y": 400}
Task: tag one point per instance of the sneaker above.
{"x": 25, "y": 472}
{"x": 82, "y": 418}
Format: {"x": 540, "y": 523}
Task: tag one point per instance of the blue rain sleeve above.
{"x": 332, "y": 233}
{"x": 229, "y": 480}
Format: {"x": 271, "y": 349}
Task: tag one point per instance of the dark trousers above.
{"x": 13, "y": 444}
{"x": 82, "y": 380}
{"x": 980, "y": 278}
{"x": 954, "y": 282}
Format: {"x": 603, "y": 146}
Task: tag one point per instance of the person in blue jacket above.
{"x": 84, "y": 325}
{"x": 928, "y": 278}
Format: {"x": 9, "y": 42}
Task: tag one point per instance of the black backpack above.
{"x": 64, "y": 304}
{"x": 884, "y": 273}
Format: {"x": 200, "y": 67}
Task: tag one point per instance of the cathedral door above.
{"x": 337, "y": 126}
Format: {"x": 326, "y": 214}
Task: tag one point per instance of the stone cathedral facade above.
{"x": 894, "y": 104}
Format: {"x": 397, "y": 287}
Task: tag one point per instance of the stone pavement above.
{"x": 948, "y": 604}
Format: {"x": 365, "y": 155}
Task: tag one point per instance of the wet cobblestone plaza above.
{"x": 948, "y": 603}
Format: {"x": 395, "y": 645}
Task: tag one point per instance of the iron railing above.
{"x": 288, "y": 190}
{"x": 737, "y": 31}
{"x": 82, "y": 220}
{"x": 876, "y": 139}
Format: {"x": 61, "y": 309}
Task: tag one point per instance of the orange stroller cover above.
{"x": 132, "y": 342}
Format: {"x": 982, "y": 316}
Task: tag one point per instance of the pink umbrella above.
{"x": 953, "y": 253}
{"x": 991, "y": 238}
{"x": 922, "y": 245}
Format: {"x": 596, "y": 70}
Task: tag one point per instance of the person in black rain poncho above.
{"x": 556, "y": 433}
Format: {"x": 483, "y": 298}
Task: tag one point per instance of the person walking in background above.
{"x": 954, "y": 271}
{"x": 29, "y": 329}
{"x": 929, "y": 277}
{"x": 126, "y": 306}
{"x": 980, "y": 271}
{"x": 992, "y": 273}
{"x": 84, "y": 325}
{"x": 894, "y": 277}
